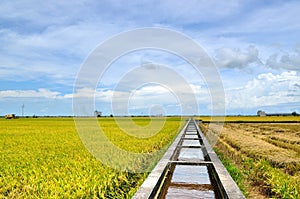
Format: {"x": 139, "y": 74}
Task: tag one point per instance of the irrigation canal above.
{"x": 189, "y": 169}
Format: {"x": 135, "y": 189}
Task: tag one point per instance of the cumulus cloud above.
{"x": 235, "y": 58}
{"x": 151, "y": 95}
{"x": 143, "y": 98}
{"x": 289, "y": 61}
{"x": 266, "y": 90}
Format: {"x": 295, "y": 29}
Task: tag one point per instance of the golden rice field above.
{"x": 45, "y": 158}
{"x": 251, "y": 118}
{"x": 263, "y": 158}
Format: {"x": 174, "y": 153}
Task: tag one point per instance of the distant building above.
{"x": 261, "y": 113}
{"x": 10, "y": 116}
{"x": 97, "y": 113}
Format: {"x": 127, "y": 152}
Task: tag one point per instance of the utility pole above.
{"x": 23, "y": 106}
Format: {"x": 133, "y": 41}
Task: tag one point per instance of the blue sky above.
{"x": 254, "y": 44}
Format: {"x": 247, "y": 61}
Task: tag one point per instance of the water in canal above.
{"x": 188, "y": 181}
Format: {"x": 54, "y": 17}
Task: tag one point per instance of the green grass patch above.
{"x": 235, "y": 173}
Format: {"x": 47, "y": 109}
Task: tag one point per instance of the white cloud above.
{"x": 266, "y": 90}
{"x": 56, "y": 53}
{"x": 145, "y": 97}
{"x": 235, "y": 58}
{"x": 53, "y": 38}
{"x": 54, "y": 45}
{"x": 48, "y": 41}
{"x": 153, "y": 94}
{"x": 289, "y": 61}
{"x": 40, "y": 93}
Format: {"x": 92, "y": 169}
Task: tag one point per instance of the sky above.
{"x": 255, "y": 46}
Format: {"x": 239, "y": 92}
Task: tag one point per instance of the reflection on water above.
{"x": 193, "y": 176}
{"x": 191, "y": 136}
{"x": 190, "y": 174}
{"x": 191, "y": 143}
{"x": 183, "y": 192}
{"x": 189, "y": 181}
{"x": 190, "y": 154}
{"x": 191, "y": 132}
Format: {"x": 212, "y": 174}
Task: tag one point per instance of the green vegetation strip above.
{"x": 234, "y": 172}
{"x": 44, "y": 158}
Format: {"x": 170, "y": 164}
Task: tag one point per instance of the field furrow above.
{"x": 266, "y": 155}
